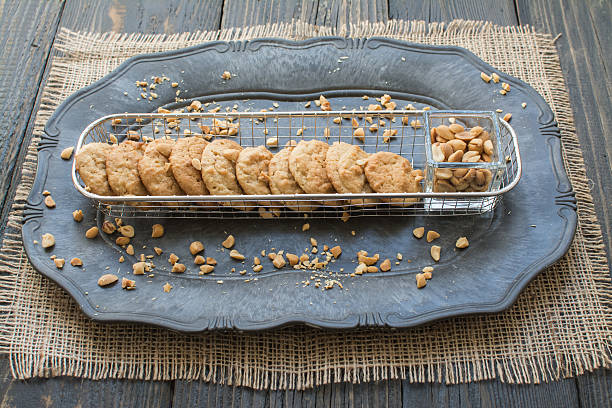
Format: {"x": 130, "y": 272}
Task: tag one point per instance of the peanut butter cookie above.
{"x": 282, "y": 181}
{"x": 91, "y": 165}
{"x": 155, "y": 169}
{"x": 188, "y": 177}
{"x": 122, "y": 169}
{"x": 391, "y": 173}
{"x": 344, "y": 164}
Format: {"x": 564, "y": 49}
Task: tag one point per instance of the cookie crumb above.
{"x": 167, "y": 287}
{"x": 128, "y": 284}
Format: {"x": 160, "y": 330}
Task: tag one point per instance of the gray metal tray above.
{"x": 532, "y": 227}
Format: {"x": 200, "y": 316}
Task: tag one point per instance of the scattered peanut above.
{"x": 336, "y": 251}
{"x": 421, "y": 281}
{"x": 196, "y": 247}
{"x": 167, "y": 287}
{"x": 199, "y": 260}
{"x": 229, "y": 242}
{"x": 122, "y": 241}
{"x": 48, "y": 240}
{"x": 108, "y": 227}
{"x": 128, "y": 284}
{"x": 435, "y": 252}
{"x": 306, "y": 227}
{"x": 49, "y": 202}
{"x": 77, "y": 215}
{"x": 67, "y": 153}
{"x": 158, "y": 231}
{"x": 507, "y": 117}
{"x": 372, "y": 269}
{"x": 157, "y": 250}
{"x": 59, "y": 262}
{"x": 205, "y": 269}
{"x": 211, "y": 261}
{"x": 107, "y": 279}
{"x": 485, "y": 77}
{"x": 385, "y": 266}
{"x": 257, "y": 268}
{"x": 127, "y": 231}
{"x": 234, "y": 254}
{"x": 279, "y": 261}
{"x": 91, "y": 233}
{"x": 495, "y": 77}
{"x": 226, "y": 75}
{"x": 293, "y": 259}
{"x": 178, "y": 268}
{"x": 138, "y": 268}
{"x": 76, "y": 262}
{"x": 462, "y": 242}
{"x": 431, "y": 235}
{"x": 173, "y": 259}
{"x": 419, "y": 232}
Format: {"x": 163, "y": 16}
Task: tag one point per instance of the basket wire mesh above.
{"x": 400, "y": 131}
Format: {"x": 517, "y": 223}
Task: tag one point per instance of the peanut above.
{"x": 199, "y": 260}
{"x": 130, "y": 250}
{"x": 76, "y": 262}
{"x": 211, "y": 261}
{"x": 67, "y": 153}
{"x": 122, "y": 241}
{"x": 234, "y": 254}
{"x": 128, "y": 284}
{"x": 372, "y": 269}
{"x": 48, "y": 240}
{"x": 49, "y": 202}
{"x": 444, "y": 132}
{"x": 157, "y": 231}
{"x": 229, "y": 242}
{"x": 419, "y": 232}
{"x": 306, "y": 227}
{"x": 293, "y": 259}
{"x": 127, "y": 231}
{"x": 462, "y": 242}
{"x": 173, "y": 259}
{"x": 456, "y": 128}
{"x": 178, "y": 268}
{"x": 336, "y": 251}
{"x": 77, "y": 215}
{"x": 485, "y": 77}
{"x": 420, "y": 280}
{"x": 108, "y": 227}
{"x": 138, "y": 268}
{"x": 279, "y": 261}
{"x": 206, "y": 269}
{"x": 91, "y": 233}
{"x": 488, "y": 147}
{"x": 385, "y": 266}
{"x": 157, "y": 250}
{"x": 456, "y": 156}
{"x": 435, "y": 252}
{"x": 431, "y": 235}
{"x": 59, "y": 262}
{"x": 196, "y": 247}
{"x": 107, "y": 279}
{"x": 257, "y": 268}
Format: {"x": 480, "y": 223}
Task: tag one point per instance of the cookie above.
{"x": 91, "y": 165}
{"x": 344, "y": 165}
{"x": 282, "y": 181}
{"x": 307, "y": 164}
{"x": 155, "y": 169}
{"x": 391, "y": 173}
{"x": 219, "y": 170}
{"x": 252, "y": 170}
{"x": 122, "y": 169}
{"x": 181, "y": 160}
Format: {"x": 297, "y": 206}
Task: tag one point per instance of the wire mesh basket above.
{"x": 404, "y": 132}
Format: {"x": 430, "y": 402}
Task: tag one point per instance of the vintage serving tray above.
{"x": 532, "y": 227}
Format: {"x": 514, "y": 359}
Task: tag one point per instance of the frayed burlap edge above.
{"x": 505, "y": 367}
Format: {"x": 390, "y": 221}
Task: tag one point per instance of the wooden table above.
{"x": 27, "y": 32}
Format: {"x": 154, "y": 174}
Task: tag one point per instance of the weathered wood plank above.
{"x": 499, "y": 11}
{"x": 150, "y": 16}
{"x": 76, "y": 392}
{"x": 24, "y": 49}
{"x": 587, "y": 67}
{"x": 338, "y": 13}
{"x": 595, "y": 389}
{"x": 246, "y": 13}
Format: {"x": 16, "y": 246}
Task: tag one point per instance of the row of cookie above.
{"x": 193, "y": 166}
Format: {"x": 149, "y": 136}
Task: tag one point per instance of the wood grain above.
{"x": 338, "y": 13}
{"x": 142, "y": 16}
{"x": 24, "y": 52}
{"x": 584, "y": 50}
{"x": 500, "y": 12}
{"x": 246, "y": 13}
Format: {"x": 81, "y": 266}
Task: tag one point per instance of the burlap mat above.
{"x": 560, "y": 326}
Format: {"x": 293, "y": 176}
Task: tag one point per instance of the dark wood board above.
{"x": 593, "y": 388}
{"x": 500, "y": 12}
{"x": 584, "y": 51}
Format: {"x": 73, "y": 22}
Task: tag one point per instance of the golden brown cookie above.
{"x": 155, "y": 169}
{"x": 391, "y": 173}
{"x": 344, "y": 165}
{"x": 184, "y": 151}
{"x": 219, "y": 170}
{"x": 122, "y": 169}
{"x": 282, "y": 181}
{"x": 307, "y": 164}
{"x": 91, "y": 165}
{"x": 252, "y": 170}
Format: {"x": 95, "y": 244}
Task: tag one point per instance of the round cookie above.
{"x": 122, "y": 169}
{"x": 391, "y": 173}
{"x": 307, "y": 164}
{"x": 154, "y": 169}
{"x": 219, "y": 170}
{"x": 91, "y": 165}
{"x": 186, "y": 149}
{"x": 252, "y": 170}
{"x": 282, "y": 181}
{"x": 344, "y": 165}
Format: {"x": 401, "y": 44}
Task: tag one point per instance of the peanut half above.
{"x": 462, "y": 242}
{"x": 196, "y": 247}
{"x": 107, "y": 279}
{"x": 435, "y": 252}
{"x": 229, "y": 242}
{"x": 158, "y": 231}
